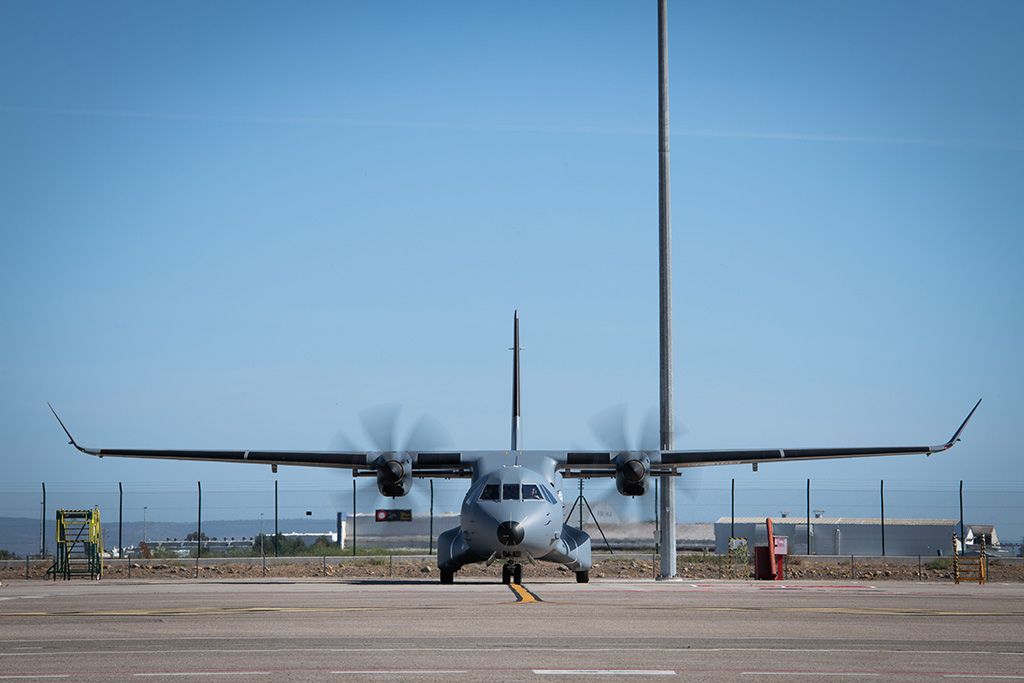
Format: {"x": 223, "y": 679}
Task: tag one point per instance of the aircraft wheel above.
{"x": 583, "y": 577}
{"x": 447, "y": 576}
{"x": 517, "y": 574}
{"x": 506, "y": 574}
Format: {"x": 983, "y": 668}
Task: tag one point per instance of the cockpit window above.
{"x": 532, "y": 492}
{"x": 490, "y": 492}
{"x": 510, "y": 491}
{"x": 547, "y": 494}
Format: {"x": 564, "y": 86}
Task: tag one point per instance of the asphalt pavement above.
{"x": 336, "y": 630}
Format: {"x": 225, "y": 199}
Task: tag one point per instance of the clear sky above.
{"x": 239, "y": 224}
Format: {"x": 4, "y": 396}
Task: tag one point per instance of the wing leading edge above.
{"x": 448, "y": 464}
{"x": 602, "y": 463}
{"x": 698, "y": 458}
{"x": 459, "y": 464}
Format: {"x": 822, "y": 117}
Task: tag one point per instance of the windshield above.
{"x": 532, "y": 492}
{"x": 490, "y": 492}
{"x": 510, "y": 492}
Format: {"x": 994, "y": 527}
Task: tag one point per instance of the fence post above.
{"x": 42, "y": 526}
{"x": 353, "y": 516}
{"x": 808, "y": 517}
{"x": 881, "y": 496}
{"x": 853, "y": 573}
{"x": 120, "y": 520}
{"x": 732, "y": 518}
{"x": 430, "y": 547}
{"x": 961, "y": 513}
{"x": 199, "y": 527}
{"x": 275, "y": 520}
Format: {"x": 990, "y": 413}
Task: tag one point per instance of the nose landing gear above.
{"x": 512, "y": 573}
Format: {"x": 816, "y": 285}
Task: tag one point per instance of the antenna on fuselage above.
{"x": 515, "y": 383}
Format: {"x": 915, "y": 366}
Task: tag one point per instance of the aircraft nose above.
{"x": 510, "y": 533}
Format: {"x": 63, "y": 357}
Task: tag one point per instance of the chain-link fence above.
{"x": 247, "y": 518}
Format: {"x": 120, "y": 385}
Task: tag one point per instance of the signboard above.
{"x": 393, "y": 516}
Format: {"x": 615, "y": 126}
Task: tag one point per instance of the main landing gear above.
{"x": 583, "y": 577}
{"x": 512, "y": 573}
{"x": 447, "y": 576}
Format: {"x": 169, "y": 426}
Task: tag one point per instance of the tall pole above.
{"x": 808, "y": 516}
{"x": 668, "y": 498}
{"x": 42, "y": 525}
{"x": 275, "y": 518}
{"x": 430, "y": 551}
{"x": 120, "y": 519}
{"x": 353, "y": 515}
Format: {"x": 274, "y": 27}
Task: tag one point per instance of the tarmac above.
{"x": 337, "y": 630}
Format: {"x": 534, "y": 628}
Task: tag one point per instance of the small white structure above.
{"x": 975, "y": 532}
{"x": 845, "y": 535}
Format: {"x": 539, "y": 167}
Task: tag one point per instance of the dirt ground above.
{"x": 689, "y": 567}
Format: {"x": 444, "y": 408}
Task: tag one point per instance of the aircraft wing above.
{"x": 602, "y": 463}
{"x": 363, "y": 463}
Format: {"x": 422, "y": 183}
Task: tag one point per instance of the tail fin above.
{"x": 515, "y": 384}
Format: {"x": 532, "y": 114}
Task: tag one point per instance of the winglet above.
{"x": 71, "y": 439}
{"x": 956, "y": 435}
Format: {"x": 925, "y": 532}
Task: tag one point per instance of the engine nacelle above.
{"x": 632, "y": 474}
{"x": 394, "y": 475}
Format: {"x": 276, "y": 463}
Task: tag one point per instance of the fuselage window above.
{"x": 510, "y": 491}
{"x": 532, "y": 492}
{"x": 490, "y": 492}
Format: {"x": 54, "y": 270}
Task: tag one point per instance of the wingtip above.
{"x": 959, "y": 431}
{"x": 71, "y": 439}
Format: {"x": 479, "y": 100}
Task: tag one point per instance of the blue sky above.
{"x": 241, "y": 224}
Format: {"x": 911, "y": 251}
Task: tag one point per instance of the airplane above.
{"x": 514, "y": 510}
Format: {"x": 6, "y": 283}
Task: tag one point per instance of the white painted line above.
{"x": 807, "y": 673}
{"x": 204, "y": 673}
{"x": 1014, "y": 676}
{"x": 604, "y": 672}
{"x": 26, "y": 677}
{"x": 398, "y": 673}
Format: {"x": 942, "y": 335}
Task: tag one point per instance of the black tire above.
{"x": 447, "y": 576}
{"x": 506, "y": 574}
{"x": 583, "y": 577}
{"x": 517, "y": 574}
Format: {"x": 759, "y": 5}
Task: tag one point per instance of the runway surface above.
{"x": 347, "y": 630}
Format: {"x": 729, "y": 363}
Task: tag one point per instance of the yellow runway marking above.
{"x": 522, "y": 594}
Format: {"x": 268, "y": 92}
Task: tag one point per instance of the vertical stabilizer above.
{"x": 515, "y": 384}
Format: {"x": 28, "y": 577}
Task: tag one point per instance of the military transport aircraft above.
{"x": 514, "y": 510}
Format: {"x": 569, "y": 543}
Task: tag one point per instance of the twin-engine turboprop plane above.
{"x": 514, "y": 510}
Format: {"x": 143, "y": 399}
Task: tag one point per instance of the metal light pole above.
{"x": 667, "y": 510}
{"x": 145, "y": 538}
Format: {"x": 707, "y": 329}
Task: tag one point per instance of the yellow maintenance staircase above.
{"x": 79, "y": 545}
{"x": 966, "y": 568}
